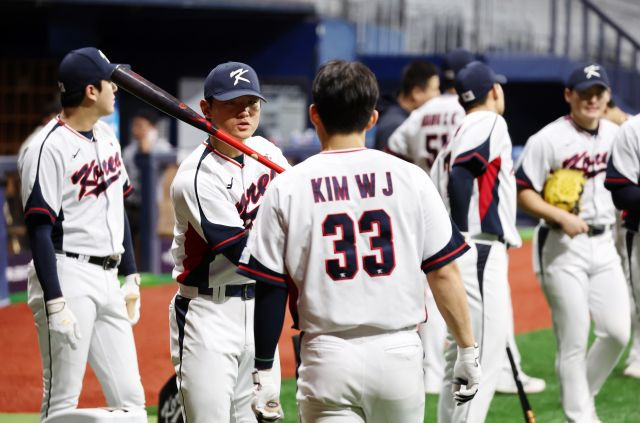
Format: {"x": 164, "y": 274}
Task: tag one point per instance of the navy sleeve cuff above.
{"x": 456, "y": 247}
{"x": 257, "y": 271}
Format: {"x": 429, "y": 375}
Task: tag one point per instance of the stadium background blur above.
{"x": 174, "y": 43}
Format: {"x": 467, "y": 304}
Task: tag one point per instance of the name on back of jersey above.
{"x": 336, "y": 188}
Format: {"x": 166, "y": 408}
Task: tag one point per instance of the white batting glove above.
{"x": 130, "y": 291}
{"x": 62, "y": 322}
{"x": 467, "y": 372}
{"x": 266, "y": 397}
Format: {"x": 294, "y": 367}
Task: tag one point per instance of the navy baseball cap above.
{"x": 231, "y": 80}
{"x": 454, "y": 61}
{"x": 475, "y": 80}
{"x": 586, "y": 77}
{"x": 82, "y": 67}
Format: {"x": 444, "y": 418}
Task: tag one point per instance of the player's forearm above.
{"x": 128, "y": 261}
{"x": 451, "y": 299}
{"x": 270, "y": 306}
{"x": 44, "y": 256}
{"x": 532, "y": 203}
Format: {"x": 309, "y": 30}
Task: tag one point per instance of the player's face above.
{"x": 588, "y": 105}
{"x": 106, "y": 98}
{"x": 238, "y": 117}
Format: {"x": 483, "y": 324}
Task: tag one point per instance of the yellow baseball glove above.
{"x": 563, "y": 189}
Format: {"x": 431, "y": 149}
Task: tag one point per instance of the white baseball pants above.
{"x": 93, "y": 295}
{"x": 583, "y": 280}
{"x": 361, "y": 376}
{"x": 632, "y": 243}
{"x": 484, "y": 270}
{"x": 433, "y": 334}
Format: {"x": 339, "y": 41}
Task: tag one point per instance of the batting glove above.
{"x": 62, "y": 322}
{"x": 131, "y": 293}
{"x": 467, "y": 372}
{"x": 266, "y": 397}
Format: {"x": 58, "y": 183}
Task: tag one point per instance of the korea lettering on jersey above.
{"x": 79, "y": 184}
{"x": 352, "y": 228}
{"x": 563, "y": 145}
{"x": 427, "y": 130}
{"x": 216, "y": 200}
{"x": 624, "y": 165}
{"x": 483, "y": 146}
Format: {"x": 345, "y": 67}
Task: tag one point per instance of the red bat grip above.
{"x": 137, "y": 85}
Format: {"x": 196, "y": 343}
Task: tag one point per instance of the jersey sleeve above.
{"x": 127, "y": 188}
{"x": 443, "y": 241}
{"x": 476, "y": 156}
{"x": 221, "y": 224}
{"x": 624, "y": 164}
{"x": 534, "y": 164}
{"x": 42, "y": 181}
{"x": 398, "y": 143}
{"x": 263, "y": 258}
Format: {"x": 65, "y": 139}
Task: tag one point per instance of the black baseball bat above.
{"x": 140, "y": 87}
{"x": 529, "y": 417}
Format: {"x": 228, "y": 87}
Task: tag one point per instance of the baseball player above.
{"x": 420, "y": 82}
{"x": 73, "y": 185}
{"x": 482, "y": 195}
{"x": 418, "y": 140}
{"x": 575, "y": 256}
{"x": 216, "y": 194}
{"x": 622, "y": 178}
{"x": 345, "y": 234}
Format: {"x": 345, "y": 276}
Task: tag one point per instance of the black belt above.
{"x": 108, "y": 262}
{"x": 246, "y": 291}
{"x": 595, "y": 230}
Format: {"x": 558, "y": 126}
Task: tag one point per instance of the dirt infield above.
{"x": 21, "y": 380}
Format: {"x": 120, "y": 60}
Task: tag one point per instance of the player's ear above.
{"x": 206, "y": 108}
{"x": 91, "y": 92}
{"x": 567, "y": 95}
{"x": 314, "y": 117}
{"x": 372, "y": 120}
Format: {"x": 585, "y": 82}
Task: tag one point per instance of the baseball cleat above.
{"x": 531, "y": 385}
{"x": 632, "y": 370}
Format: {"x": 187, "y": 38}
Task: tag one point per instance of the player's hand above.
{"x": 266, "y": 397}
{"x": 572, "y": 225}
{"x": 131, "y": 293}
{"x": 62, "y": 322}
{"x": 467, "y": 372}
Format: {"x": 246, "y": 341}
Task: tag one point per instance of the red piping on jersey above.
{"x": 257, "y": 272}
{"x": 618, "y": 180}
{"x": 222, "y": 156}
{"x": 351, "y": 150}
{"x": 128, "y": 190}
{"x": 446, "y": 256}
{"x": 40, "y": 209}
{"x": 468, "y": 156}
{"x": 64, "y": 125}
{"x": 486, "y": 182}
{"x": 220, "y": 244}
{"x": 523, "y": 183}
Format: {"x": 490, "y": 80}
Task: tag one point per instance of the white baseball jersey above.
{"x": 78, "y": 183}
{"x": 482, "y": 144}
{"x": 216, "y": 199}
{"x": 562, "y": 144}
{"x": 352, "y": 228}
{"x": 427, "y": 130}
{"x": 624, "y": 165}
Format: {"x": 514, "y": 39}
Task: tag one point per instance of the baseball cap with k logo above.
{"x": 584, "y": 77}
{"x": 231, "y": 80}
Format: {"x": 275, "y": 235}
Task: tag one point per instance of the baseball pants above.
{"x": 583, "y": 280}
{"x": 361, "y": 376}
{"x": 212, "y": 350}
{"x": 632, "y": 243}
{"x": 484, "y": 273}
{"x": 93, "y": 295}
